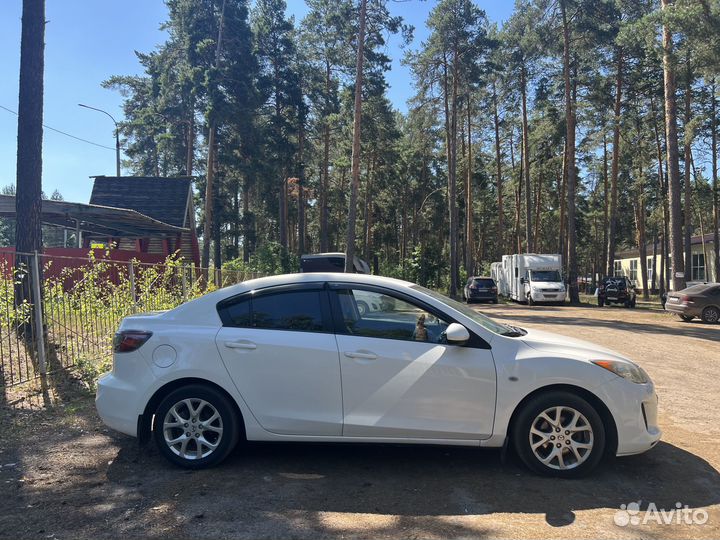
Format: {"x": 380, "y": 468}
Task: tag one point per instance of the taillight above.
{"x": 130, "y": 340}
{"x": 685, "y": 299}
{"x": 493, "y": 289}
{"x": 473, "y": 287}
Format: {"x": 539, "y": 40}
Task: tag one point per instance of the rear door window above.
{"x": 303, "y": 310}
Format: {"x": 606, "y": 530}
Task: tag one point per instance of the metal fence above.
{"x": 62, "y": 312}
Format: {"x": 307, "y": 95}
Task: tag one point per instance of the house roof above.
{"x": 634, "y": 252}
{"x": 163, "y": 199}
{"x": 95, "y": 220}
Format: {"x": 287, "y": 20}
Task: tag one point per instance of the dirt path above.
{"x": 64, "y": 476}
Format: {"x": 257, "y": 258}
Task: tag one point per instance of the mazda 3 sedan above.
{"x": 293, "y": 358}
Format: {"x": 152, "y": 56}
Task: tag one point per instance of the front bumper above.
{"x": 548, "y": 296}
{"x": 635, "y": 410}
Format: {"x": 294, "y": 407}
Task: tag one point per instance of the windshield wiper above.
{"x": 514, "y": 331}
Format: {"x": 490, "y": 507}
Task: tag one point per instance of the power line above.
{"x": 64, "y": 133}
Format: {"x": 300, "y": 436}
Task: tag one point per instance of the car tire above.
{"x": 633, "y": 303}
{"x": 363, "y": 308}
{"x": 495, "y": 301}
{"x": 711, "y": 315}
{"x": 530, "y": 300}
{"x": 212, "y": 424}
{"x": 538, "y": 430}
{"x": 686, "y": 318}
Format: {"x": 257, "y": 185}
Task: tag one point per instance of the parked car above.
{"x": 617, "y": 290}
{"x": 291, "y": 358}
{"x": 701, "y": 301}
{"x": 481, "y": 289}
{"x": 331, "y": 262}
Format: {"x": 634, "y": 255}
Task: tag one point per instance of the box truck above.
{"x": 531, "y": 278}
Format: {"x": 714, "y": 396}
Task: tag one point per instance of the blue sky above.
{"x": 89, "y": 40}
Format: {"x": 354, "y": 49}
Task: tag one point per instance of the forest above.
{"x": 580, "y": 127}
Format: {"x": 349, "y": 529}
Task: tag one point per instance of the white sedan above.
{"x": 292, "y": 358}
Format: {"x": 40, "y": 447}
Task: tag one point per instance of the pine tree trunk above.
{"x": 469, "y": 236}
{"x": 715, "y": 187}
{"x": 526, "y": 162}
{"x": 301, "y": 187}
{"x": 676, "y": 240}
{"x": 687, "y": 143}
{"x": 210, "y": 180}
{"x": 603, "y": 266}
{"x": 209, "y": 203}
{"x": 663, "y": 195}
{"x": 28, "y": 193}
{"x": 615, "y": 167}
{"x": 498, "y": 181}
{"x": 357, "y": 123}
{"x": 570, "y": 163}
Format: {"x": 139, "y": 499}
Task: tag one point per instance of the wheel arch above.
{"x": 145, "y": 420}
{"x": 611, "y": 432}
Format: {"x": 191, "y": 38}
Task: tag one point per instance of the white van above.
{"x": 531, "y": 278}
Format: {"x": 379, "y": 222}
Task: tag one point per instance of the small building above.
{"x": 130, "y": 217}
{"x": 702, "y": 268}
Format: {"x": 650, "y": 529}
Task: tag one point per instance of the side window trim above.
{"x": 475, "y": 342}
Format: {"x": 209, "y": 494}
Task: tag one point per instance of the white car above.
{"x": 292, "y": 358}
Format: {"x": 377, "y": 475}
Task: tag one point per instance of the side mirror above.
{"x": 457, "y": 333}
{"x": 523, "y": 280}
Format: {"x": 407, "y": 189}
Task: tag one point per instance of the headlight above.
{"x": 533, "y": 289}
{"x": 626, "y": 370}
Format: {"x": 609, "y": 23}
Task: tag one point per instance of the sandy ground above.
{"x": 64, "y": 475}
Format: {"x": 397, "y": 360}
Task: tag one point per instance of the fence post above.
{"x": 38, "y": 319}
{"x": 133, "y": 294}
{"x": 184, "y": 270}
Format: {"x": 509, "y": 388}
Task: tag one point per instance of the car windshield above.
{"x": 545, "y": 275}
{"x": 483, "y": 320}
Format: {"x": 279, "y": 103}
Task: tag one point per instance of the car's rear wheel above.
{"x": 559, "y": 434}
{"x": 195, "y": 427}
{"x": 363, "y": 308}
{"x": 711, "y": 314}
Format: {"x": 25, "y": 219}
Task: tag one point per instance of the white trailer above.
{"x": 531, "y": 277}
{"x": 498, "y": 274}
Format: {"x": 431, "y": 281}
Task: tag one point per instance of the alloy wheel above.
{"x": 192, "y": 428}
{"x": 561, "y": 438}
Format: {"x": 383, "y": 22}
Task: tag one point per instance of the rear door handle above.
{"x": 361, "y": 355}
{"x": 240, "y": 345}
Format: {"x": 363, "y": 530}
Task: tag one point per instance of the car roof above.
{"x": 481, "y": 277}
{"x": 205, "y": 306}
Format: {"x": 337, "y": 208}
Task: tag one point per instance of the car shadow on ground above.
{"x": 700, "y": 331}
{"x": 425, "y": 481}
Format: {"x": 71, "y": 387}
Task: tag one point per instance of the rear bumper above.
{"x": 480, "y": 296}
{"x": 114, "y": 402}
{"x": 682, "y": 309}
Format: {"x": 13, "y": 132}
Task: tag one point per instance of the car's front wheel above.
{"x": 196, "y": 427}
{"x": 559, "y": 434}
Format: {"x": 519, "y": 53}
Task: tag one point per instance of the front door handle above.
{"x": 240, "y": 345}
{"x": 361, "y": 355}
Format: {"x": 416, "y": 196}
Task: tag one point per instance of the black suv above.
{"x": 617, "y": 290}
{"x": 481, "y": 289}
